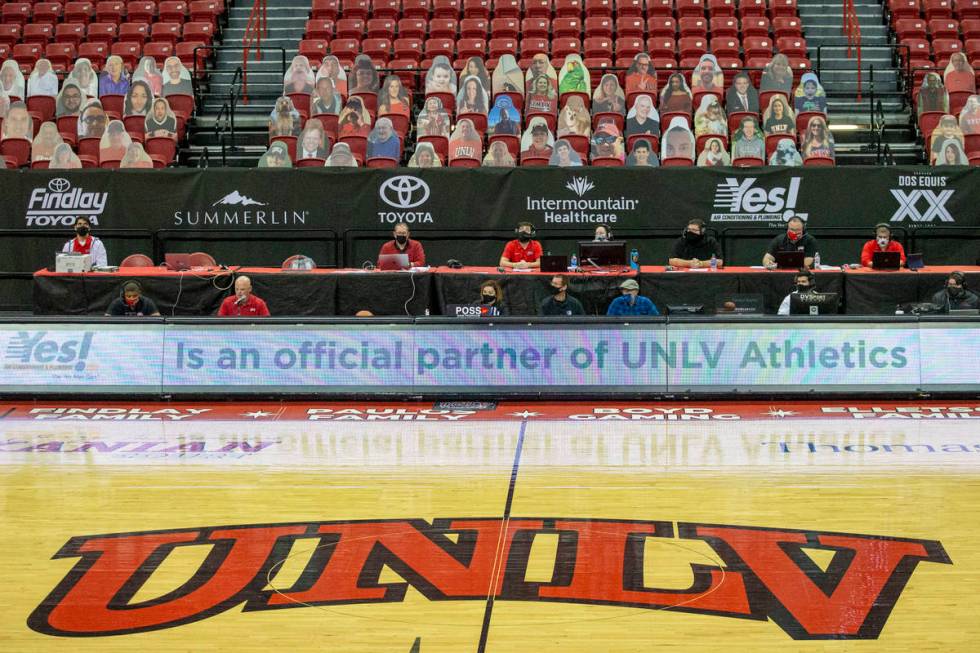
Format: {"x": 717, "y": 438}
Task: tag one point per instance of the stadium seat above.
{"x": 725, "y": 26}
{"x": 755, "y": 46}
{"x": 721, "y": 8}
{"x": 598, "y": 47}
{"x": 629, "y": 8}
{"x": 159, "y": 52}
{"x": 387, "y": 10}
{"x": 818, "y": 161}
{"x": 137, "y": 261}
{"x": 201, "y": 31}
{"x": 10, "y": 34}
{"x": 37, "y": 33}
{"x": 47, "y": 12}
{"x": 694, "y": 8}
{"x": 598, "y": 8}
{"x": 106, "y": 33}
{"x": 693, "y": 26}
{"x": 607, "y": 161}
{"x": 661, "y": 26}
{"x": 349, "y": 28}
{"x": 172, "y": 11}
{"x": 476, "y": 9}
{"x": 903, "y": 9}
{"x": 61, "y": 55}
{"x": 944, "y": 28}
{"x": 16, "y": 12}
{"x": 79, "y": 12}
{"x": 328, "y": 9}
{"x": 165, "y": 33}
{"x": 937, "y": 9}
{"x": 725, "y": 47}
{"x": 911, "y": 28}
{"x": 94, "y": 52}
{"x": 631, "y": 26}
{"x": 205, "y": 11}
{"x": 562, "y": 47}
{"x": 129, "y": 52}
{"x": 677, "y": 162}
{"x": 408, "y": 48}
{"x": 970, "y": 28}
{"x": 791, "y": 46}
{"x": 474, "y": 28}
{"x": 68, "y": 129}
{"x": 161, "y": 149}
{"x": 446, "y": 9}
{"x": 134, "y": 33}
{"x": 377, "y": 28}
{"x": 42, "y": 106}
{"x": 786, "y": 26}
{"x": 784, "y": 8}
{"x": 355, "y": 9}
{"x": 377, "y": 49}
{"x": 313, "y": 49}
{"x": 967, "y": 9}
{"x": 506, "y": 8}
{"x": 692, "y": 46}
{"x": 412, "y": 28}
{"x": 747, "y": 162}
{"x": 26, "y": 55}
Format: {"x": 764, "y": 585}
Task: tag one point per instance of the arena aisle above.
{"x": 476, "y": 526}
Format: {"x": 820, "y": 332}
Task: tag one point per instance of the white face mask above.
{"x": 882, "y": 242}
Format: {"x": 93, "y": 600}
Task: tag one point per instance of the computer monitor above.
{"x": 393, "y": 262}
{"x": 554, "y": 263}
{"x": 813, "y": 303}
{"x": 789, "y": 260}
{"x": 602, "y": 254}
{"x": 739, "y": 305}
{"x": 886, "y": 260}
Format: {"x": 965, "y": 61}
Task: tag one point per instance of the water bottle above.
{"x": 714, "y": 263}
{"x": 573, "y": 263}
{"x": 816, "y": 261}
{"x": 635, "y": 259}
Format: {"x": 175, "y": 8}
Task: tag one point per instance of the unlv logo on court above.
{"x": 768, "y": 573}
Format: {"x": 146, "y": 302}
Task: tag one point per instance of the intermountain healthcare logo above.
{"x": 32, "y": 351}
{"x": 768, "y": 573}
{"x": 582, "y": 210}
{"x": 740, "y": 201}
{"x": 58, "y": 204}
{"x": 227, "y": 213}
{"x": 401, "y": 193}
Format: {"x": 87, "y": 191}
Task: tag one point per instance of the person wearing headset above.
{"x": 132, "y": 303}
{"x": 492, "y": 298}
{"x": 85, "y": 243}
{"x": 402, "y": 243}
{"x": 694, "y": 248}
{"x": 882, "y": 243}
{"x": 794, "y": 239}
{"x": 243, "y": 303}
{"x": 804, "y": 283}
{"x": 523, "y": 252}
{"x": 603, "y": 234}
{"x": 955, "y": 296}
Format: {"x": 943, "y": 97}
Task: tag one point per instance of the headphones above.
{"x": 609, "y": 233}
{"x": 699, "y": 222}
{"x": 454, "y": 264}
{"x": 958, "y": 276}
{"x": 517, "y": 229}
{"x": 883, "y": 225}
{"x": 139, "y": 287}
{"x": 804, "y": 272}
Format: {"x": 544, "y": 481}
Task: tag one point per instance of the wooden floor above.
{"x": 521, "y": 528}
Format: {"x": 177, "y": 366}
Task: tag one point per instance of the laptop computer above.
{"x": 177, "y": 262}
{"x": 915, "y": 261}
{"x": 886, "y": 260}
{"x": 814, "y": 303}
{"x": 790, "y": 260}
{"x": 554, "y": 263}
{"x": 393, "y": 262}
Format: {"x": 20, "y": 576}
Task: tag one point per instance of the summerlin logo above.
{"x": 606, "y": 210}
{"x": 31, "y": 350}
{"x": 58, "y": 204}
{"x": 235, "y": 210}
{"x": 742, "y": 201}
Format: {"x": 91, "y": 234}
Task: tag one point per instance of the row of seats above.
{"x": 136, "y": 11}
{"x": 933, "y": 9}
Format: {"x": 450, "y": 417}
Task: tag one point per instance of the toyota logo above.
{"x": 58, "y": 185}
{"x": 404, "y": 192}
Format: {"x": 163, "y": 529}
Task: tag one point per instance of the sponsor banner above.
{"x": 308, "y": 198}
{"x": 475, "y": 359}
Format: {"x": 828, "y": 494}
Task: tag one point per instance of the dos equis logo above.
{"x": 767, "y": 573}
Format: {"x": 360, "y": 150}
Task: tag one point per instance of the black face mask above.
{"x": 557, "y": 291}
{"x": 523, "y": 236}
{"x": 803, "y": 287}
{"x": 401, "y": 240}
{"x": 692, "y": 237}
{"x": 82, "y": 231}
{"x": 489, "y": 299}
{"x": 955, "y": 292}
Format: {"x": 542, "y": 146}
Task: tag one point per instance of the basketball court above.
{"x": 828, "y": 525}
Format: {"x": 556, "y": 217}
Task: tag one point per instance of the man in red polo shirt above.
{"x": 243, "y": 303}
{"x": 522, "y": 252}
{"x": 882, "y": 243}
{"x": 403, "y": 244}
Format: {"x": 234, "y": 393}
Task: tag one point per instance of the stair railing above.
{"x": 255, "y": 30}
{"x": 852, "y": 30}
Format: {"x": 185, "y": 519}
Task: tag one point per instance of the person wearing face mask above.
{"x": 402, "y": 243}
{"x": 560, "y": 304}
{"x": 243, "y": 303}
{"x": 132, "y": 303}
{"x": 804, "y": 283}
{"x": 603, "y": 234}
{"x": 955, "y": 296}
{"x": 85, "y": 243}
{"x": 793, "y": 240}
{"x": 695, "y": 248}
{"x": 630, "y": 302}
{"x": 882, "y": 243}
{"x": 523, "y": 252}
{"x": 492, "y": 297}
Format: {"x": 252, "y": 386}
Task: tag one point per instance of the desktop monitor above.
{"x": 602, "y": 253}
{"x": 813, "y": 303}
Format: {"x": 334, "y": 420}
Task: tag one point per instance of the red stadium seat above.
{"x": 199, "y": 31}
{"x": 747, "y": 162}
{"x": 94, "y": 52}
{"x": 572, "y": 28}
{"x": 903, "y": 9}
{"x": 911, "y": 28}
{"x": 161, "y": 149}
{"x": 159, "y": 52}
{"x": 969, "y": 9}
{"x": 10, "y": 34}
{"x": 629, "y": 47}
{"x": 505, "y": 28}
{"x": 26, "y": 54}
{"x": 41, "y": 106}
{"x": 129, "y": 52}
{"x": 476, "y": 9}
{"x": 748, "y": 8}
{"x": 165, "y": 33}
{"x": 446, "y": 9}
{"x": 721, "y": 8}
{"x": 661, "y": 47}
{"x": 443, "y": 28}
{"x": 134, "y": 33}
{"x": 412, "y": 28}
{"x": 106, "y": 33}
{"x": 818, "y": 161}
{"x": 692, "y": 46}
{"x": 723, "y": 26}
{"x": 783, "y": 8}
{"x": 944, "y": 28}
{"x": 658, "y": 26}
{"x": 970, "y": 28}
{"x": 677, "y": 162}
{"x": 349, "y": 28}
{"x": 140, "y": 11}
{"x": 755, "y": 46}
{"x": 686, "y": 8}
{"x": 377, "y": 49}
{"x": 47, "y": 12}
{"x": 325, "y": 9}
{"x": 937, "y": 9}
{"x": 537, "y": 8}
{"x": 61, "y": 55}
{"x": 345, "y": 49}
{"x": 945, "y": 48}
{"x": 409, "y": 48}
{"x": 725, "y": 47}
{"x": 17, "y": 12}
{"x": 535, "y": 27}
{"x": 632, "y": 8}
{"x": 17, "y": 150}
{"x": 502, "y": 46}
{"x": 79, "y": 12}
{"x": 387, "y": 10}
{"x": 355, "y": 9}
{"x": 568, "y": 8}
{"x": 187, "y": 50}
{"x": 436, "y": 47}
{"x": 205, "y": 11}
{"x": 785, "y": 26}
{"x": 466, "y": 48}
{"x": 598, "y": 47}
{"x": 693, "y": 26}
{"x": 474, "y": 28}
{"x": 313, "y": 49}
{"x": 377, "y": 28}
{"x": 37, "y": 33}
{"x": 598, "y": 8}
{"x": 633, "y": 26}
{"x": 607, "y": 161}
{"x": 560, "y": 48}
{"x": 660, "y": 8}
{"x": 791, "y": 46}
{"x": 173, "y": 11}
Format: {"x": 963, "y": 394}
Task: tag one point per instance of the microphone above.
{"x": 241, "y": 301}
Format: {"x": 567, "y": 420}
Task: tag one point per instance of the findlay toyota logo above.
{"x": 921, "y": 205}
{"x": 58, "y": 205}
{"x": 404, "y": 192}
{"x": 741, "y": 201}
{"x": 606, "y": 210}
{"x": 236, "y": 210}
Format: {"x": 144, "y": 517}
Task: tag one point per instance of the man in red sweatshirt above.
{"x": 882, "y": 243}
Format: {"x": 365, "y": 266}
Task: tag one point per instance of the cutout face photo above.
{"x": 136, "y": 157}
{"x": 475, "y": 68}
{"x": 277, "y": 156}
{"x": 742, "y": 95}
{"x": 507, "y": 76}
{"x": 714, "y": 154}
{"x": 748, "y": 141}
{"x": 958, "y": 76}
{"x": 4, "y": 103}
{"x": 441, "y": 78}
{"x": 970, "y": 115}
{"x": 47, "y": 139}
{"x": 147, "y": 71}
{"x": 676, "y": 96}
{"x": 92, "y": 120}
{"x": 177, "y": 79}
{"x": 12, "y": 79}
{"x": 299, "y": 76}
{"x": 354, "y": 119}
{"x": 950, "y": 153}
{"x": 84, "y": 75}
{"x": 64, "y": 158}
{"x": 708, "y": 77}
{"x": 113, "y": 79}
{"x": 465, "y": 143}
{"x": 394, "y": 98}
{"x": 778, "y": 118}
{"x": 932, "y": 94}
{"x": 161, "y": 120}
{"x": 642, "y": 155}
{"x": 641, "y": 77}
{"x": 564, "y": 155}
{"x": 540, "y": 66}
{"x": 573, "y": 76}
{"x": 70, "y": 100}
{"x": 332, "y": 69}
{"x": 341, "y": 157}
{"x": 504, "y": 118}
{"x": 115, "y": 141}
{"x": 424, "y": 157}
{"x": 383, "y": 141}
{"x": 678, "y": 141}
{"x": 608, "y": 96}
{"x": 710, "y": 118}
{"x": 948, "y": 129}
{"x": 433, "y": 120}
{"x": 574, "y": 119}
{"x": 284, "y": 119}
{"x": 138, "y": 100}
{"x": 537, "y": 139}
{"x": 472, "y": 97}
{"x": 785, "y": 154}
{"x": 326, "y": 99}
{"x": 541, "y": 96}
{"x": 312, "y": 141}
{"x": 810, "y": 95}
{"x": 818, "y": 141}
{"x": 643, "y": 117}
{"x": 607, "y": 141}
{"x": 498, "y": 156}
{"x": 363, "y": 76}
{"x": 777, "y": 76}
{"x": 43, "y": 80}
